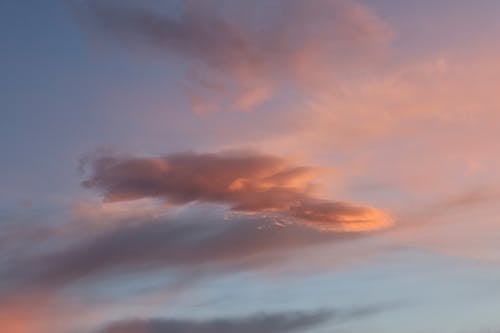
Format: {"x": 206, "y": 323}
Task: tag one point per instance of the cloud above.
{"x": 201, "y": 245}
{"x": 263, "y": 323}
{"x": 239, "y": 53}
{"x": 443, "y": 107}
{"x": 246, "y": 181}
{"x": 182, "y": 249}
{"x": 291, "y": 321}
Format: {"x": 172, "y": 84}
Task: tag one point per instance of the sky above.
{"x": 250, "y": 166}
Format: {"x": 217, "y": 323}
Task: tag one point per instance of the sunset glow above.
{"x": 250, "y": 166}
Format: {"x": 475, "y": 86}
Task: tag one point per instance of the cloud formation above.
{"x": 182, "y": 249}
{"x": 244, "y": 51}
{"x": 247, "y": 182}
{"x": 201, "y": 245}
{"x": 262, "y": 323}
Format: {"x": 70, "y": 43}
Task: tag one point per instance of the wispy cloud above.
{"x": 202, "y": 245}
{"x": 239, "y": 54}
{"x": 261, "y": 322}
{"x": 264, "y": 323}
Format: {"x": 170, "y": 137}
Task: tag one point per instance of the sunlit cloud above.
{"x": 247, "y": 182}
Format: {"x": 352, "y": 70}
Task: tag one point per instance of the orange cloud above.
{"x": 247, "y": 182}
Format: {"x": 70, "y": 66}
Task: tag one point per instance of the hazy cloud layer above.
{"x": 247, "y": 182}
{"x": 204, "y": 245}
{"x": 244, "y": 51}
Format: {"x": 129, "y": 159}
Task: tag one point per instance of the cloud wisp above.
{"x": 264, "y": 323}
{"x": 241, "y": 53}
{"x": 290, "y": 321}
{"x": 247, "y": 182}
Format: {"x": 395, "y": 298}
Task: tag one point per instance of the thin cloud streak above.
{"x": 291, "y": 321}
{"x": 263, "y": 323}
